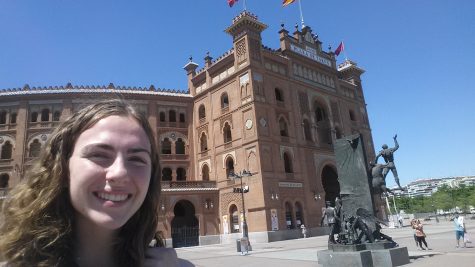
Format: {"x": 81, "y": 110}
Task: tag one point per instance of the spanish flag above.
{"x": 287, "y": 2}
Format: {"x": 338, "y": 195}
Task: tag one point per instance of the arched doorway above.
{"x": 289, "y": 220}
{"x": 330, "y": 184}
{"x": 185, "y": 227}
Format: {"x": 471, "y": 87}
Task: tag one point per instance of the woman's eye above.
{"x": 138, "y": 160}
{"x": 98, "y": 156}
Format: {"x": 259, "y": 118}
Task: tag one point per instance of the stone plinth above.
{"x": 328, "y": 258}
{"x": 379, "y": 245}
{"x": 390, "y": 257}
{"x": 378, "y": 254}
{"x": 344, "y": 248}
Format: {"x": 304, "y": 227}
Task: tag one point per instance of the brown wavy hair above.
{"x": 38, "y": 227}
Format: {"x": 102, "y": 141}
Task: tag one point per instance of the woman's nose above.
{"x": 117, "y": 172}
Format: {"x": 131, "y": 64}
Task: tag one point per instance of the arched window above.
{"x": 352, "y": 115}
{"x": 283, "y": 127}
{"x": 166, "y": 146}
{"x": 172, "y": 116}
{"x": 288, "y": 216}
{"x": 203, "y": 142}
{"x": 166, "y": 174}
{"x": 179, "y": 147}
{"x": 205, "y": 173}
{"x": 162, "y": 116}
{"x": 287, "y": 163}
{"x": 278, "y": 95}
{"x": 234, "y": 219}
{"x": 182, "y": 117}
{"x": 56, "y": 115}
{"x": 227, "y": 133}
{"x": 298, "y": 214}
{"x": 330, "y": 183}
{"x": 45, "y": 115}
{"x": 323, "y": 124}
{"x": 35, "y": 148}
{"x": 13, "y": 118}
{"x": 338, "y": 133}
{"x": 306, "y": 130}
{"x": 229, "y": 166}
{"x": 6, "y": 151}
{"x": 4, "y": 178}
{"x": 201, "y": 112}
{"x": 224, "y": 100}
{"x": 34, "y": 117}
{"x": 3, "y": 117}
{"x": 180, "y": 174}
{"x": 320, "y": 114}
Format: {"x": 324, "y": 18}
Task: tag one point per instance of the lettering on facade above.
{"x": 310, "y": 54}
{"x": 291, "y": 185}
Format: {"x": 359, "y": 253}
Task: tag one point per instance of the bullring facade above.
{"x": 273, "y": 112}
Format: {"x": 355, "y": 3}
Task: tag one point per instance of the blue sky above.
{"x": 419, "y": 58}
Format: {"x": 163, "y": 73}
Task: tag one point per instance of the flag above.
{"x": 231, "y": 2}
{"x": 340, "y": 48}
{"x": 287, "y": 2}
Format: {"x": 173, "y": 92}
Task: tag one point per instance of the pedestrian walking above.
{"x": 420, "y": 235}
{"x": 459, "y": 230}
{"x": 413, "y": 225}
{"x": 399, "y": 220}
{"x": 304, "y": 230}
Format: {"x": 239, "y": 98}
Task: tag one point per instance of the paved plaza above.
{"x": 303, "y": 252}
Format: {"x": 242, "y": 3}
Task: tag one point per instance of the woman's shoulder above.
{"x": 159, "y": 256}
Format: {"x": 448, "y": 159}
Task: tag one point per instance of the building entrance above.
{"x": 330, "y": 184}
{"x": 185, "y": 228}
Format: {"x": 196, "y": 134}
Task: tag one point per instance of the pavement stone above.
{"x": 303, "y": 252}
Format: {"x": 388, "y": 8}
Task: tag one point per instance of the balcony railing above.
{"x": 4, "y": 162}
{"x": 188, "y": 184}
{"x": 174, "y": 156}
{"x": 7, "y": 126}
{"x": 172, "y": 124}
{"x": 43, "y": 124}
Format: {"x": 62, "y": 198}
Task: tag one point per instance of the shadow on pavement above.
{"x": 416, "y": 257}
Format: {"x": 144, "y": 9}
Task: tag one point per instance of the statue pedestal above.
{"x": 390, "y": 257}
{"x": 378, "y": 254}
{"x": 328, "y": 258}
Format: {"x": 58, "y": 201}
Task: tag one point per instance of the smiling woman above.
{"x": 92, "y": 198}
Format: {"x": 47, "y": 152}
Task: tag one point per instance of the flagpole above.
{"x": 244, "y": 4}
{"x": 301, "y": 14}
{"x": 344, "y": 50}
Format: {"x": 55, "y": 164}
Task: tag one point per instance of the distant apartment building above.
{"x": 426, "y": 187}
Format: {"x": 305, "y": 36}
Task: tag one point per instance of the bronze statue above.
{"x": 378, "y": 181}
{"x": 388, "y": 156}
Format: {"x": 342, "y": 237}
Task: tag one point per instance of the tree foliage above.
{"x": 445, "y": 199}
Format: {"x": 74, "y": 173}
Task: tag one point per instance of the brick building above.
{"x": 272, "y": 112}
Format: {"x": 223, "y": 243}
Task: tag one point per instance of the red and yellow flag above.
{"x": 231, "y": 2}
{"x": 287, "y": 2}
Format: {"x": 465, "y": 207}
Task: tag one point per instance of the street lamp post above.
{"x": 242, "y": 190}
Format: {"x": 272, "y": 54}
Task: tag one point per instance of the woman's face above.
{"x": 109, "y": 172}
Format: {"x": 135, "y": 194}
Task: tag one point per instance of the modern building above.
{"x": 426, "y": 187}
{"x": 272, "y": 112}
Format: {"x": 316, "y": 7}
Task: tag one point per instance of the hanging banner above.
{"x": 225, "y": 225}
